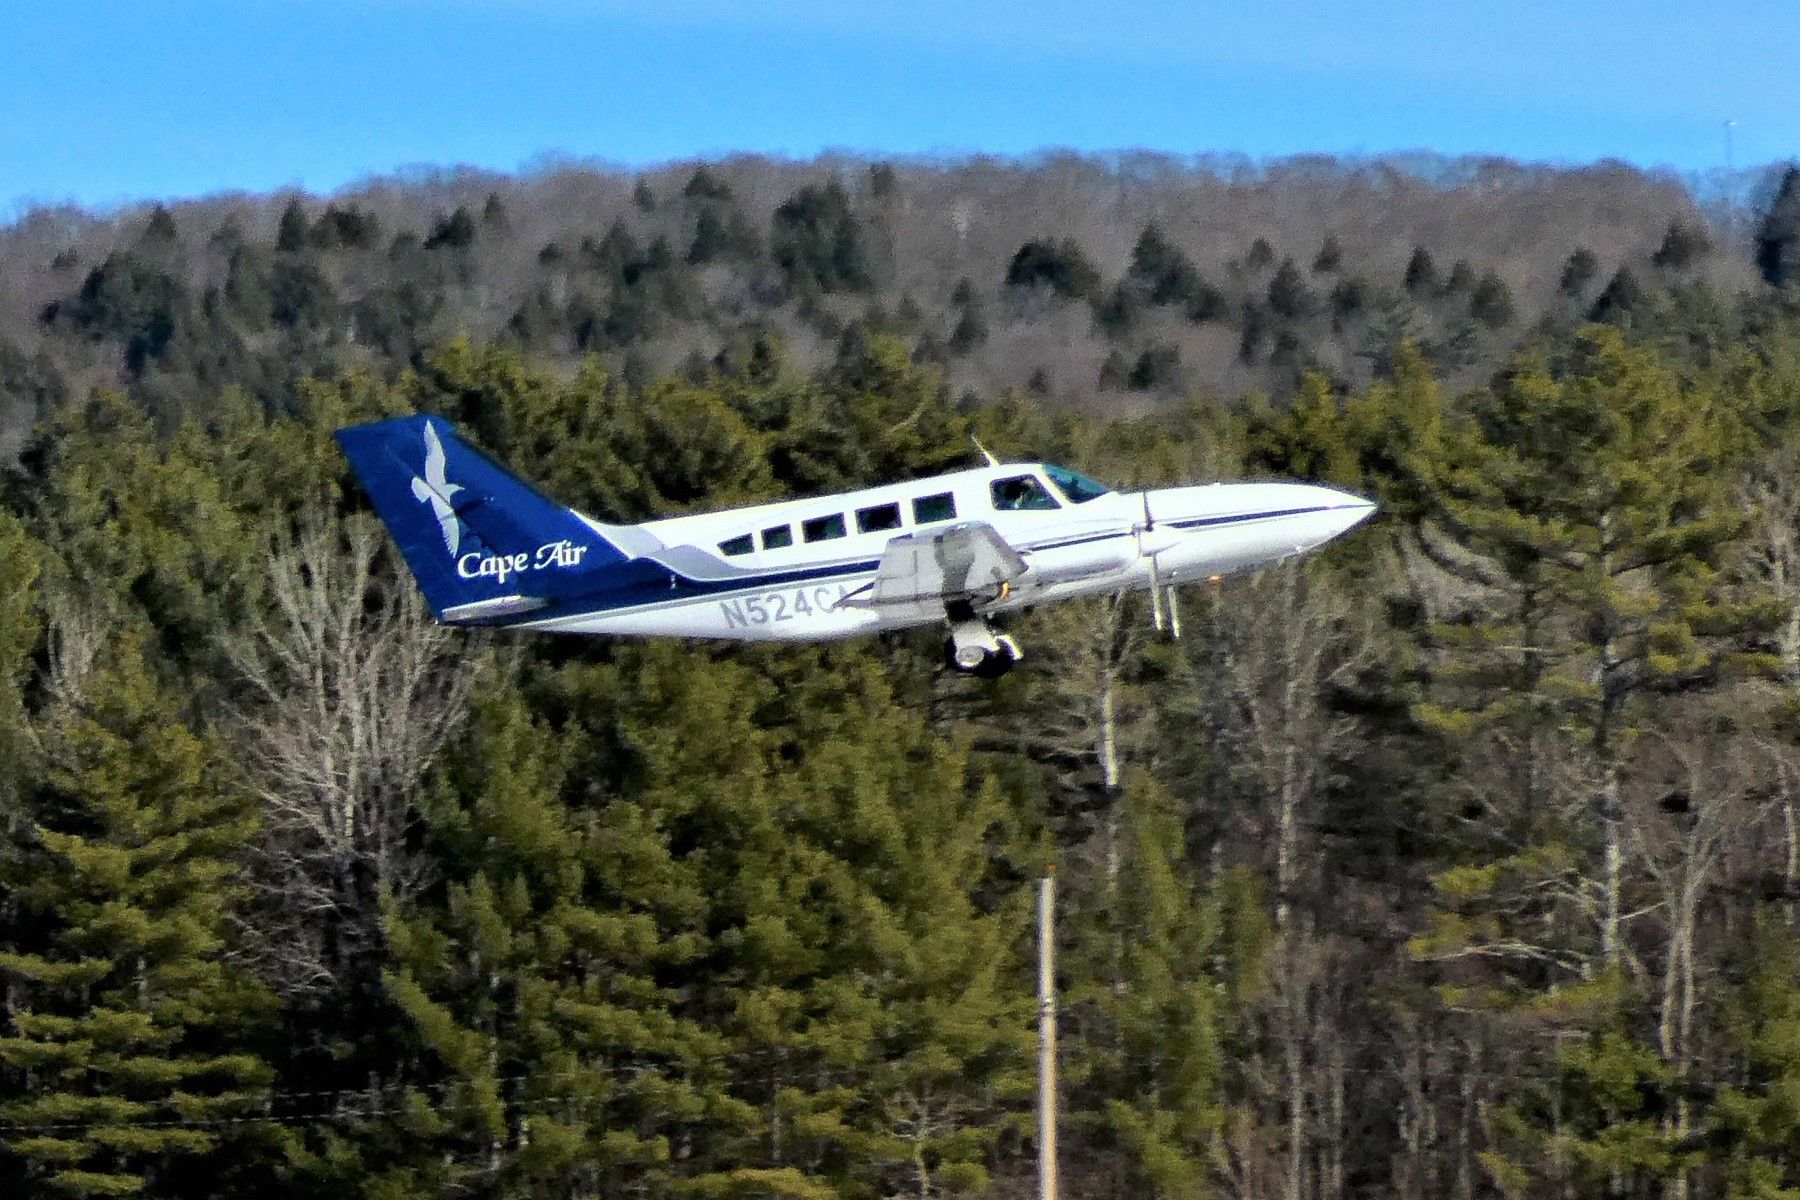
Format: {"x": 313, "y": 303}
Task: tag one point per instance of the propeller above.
{"x": 1162, "y": 608}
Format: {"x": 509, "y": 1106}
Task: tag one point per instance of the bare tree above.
{"x": 351, "y": 693}
{"x": 1288, "y": 639}
{"x": 1707, "y": 791}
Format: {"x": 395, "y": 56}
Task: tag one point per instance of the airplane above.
{"x": 960, "y": 549}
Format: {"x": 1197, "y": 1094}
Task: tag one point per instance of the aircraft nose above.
{"x": 1346, "y": 509}
{"x": 1203, "y": 506}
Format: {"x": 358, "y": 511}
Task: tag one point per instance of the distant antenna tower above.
{"x": 1730, "y": 125}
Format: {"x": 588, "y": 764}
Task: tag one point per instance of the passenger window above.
{"x": 1022, "y": 492}
{"x": 821, "y": 529}
{"x": 878, "y": 518}
{"x": 736, "y": 545}
{"x": 941, "y": 507}
{"x": 778, "y": 536}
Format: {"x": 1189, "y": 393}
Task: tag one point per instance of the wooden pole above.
{"x": 1047, "y": 1036}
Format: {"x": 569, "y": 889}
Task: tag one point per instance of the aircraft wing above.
{"x": 922, "y": 572}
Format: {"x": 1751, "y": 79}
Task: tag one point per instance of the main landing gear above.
{"x": 976, "y": 649}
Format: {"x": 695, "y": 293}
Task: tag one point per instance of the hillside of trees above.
{"x": 1115, "y": 285}
{"x": 1461, "y": 859}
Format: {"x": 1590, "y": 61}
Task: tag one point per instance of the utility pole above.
{"x": 1047, "y": 1034}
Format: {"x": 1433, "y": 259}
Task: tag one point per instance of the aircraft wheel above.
{"x": 993, "y": 666}
{"x": 977, "y": 661}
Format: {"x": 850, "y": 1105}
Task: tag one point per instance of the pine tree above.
{"x": 1758, "y": 1118}
{"x": 1578, "y": 272}
{"x": 551, "y": 1061}
{"x": 1169, "y": 974}
{"x": 124, "y": 1029}
{"x": 20, "y": 629}
{"x": 1778, "y": 242}
{"x": 1288, "y": 294}
{"x": 1491, "y": 301}
{"x": 290, "y": 237}
{"x": 21, "y": 563}
{"x": 854, "y": 959}
{"x": 1594, "y": 503}
{"x": 1593, "y": 1125}
{"x": 1421, "y": 276}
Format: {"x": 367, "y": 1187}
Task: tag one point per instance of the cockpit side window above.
{"x": 1021, "y": 492}
{"x": 1078, "y": 488}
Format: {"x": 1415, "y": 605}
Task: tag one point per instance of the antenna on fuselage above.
{"x": 991, "y": 460}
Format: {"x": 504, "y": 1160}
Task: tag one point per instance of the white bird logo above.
{"x": 436, "y": 491}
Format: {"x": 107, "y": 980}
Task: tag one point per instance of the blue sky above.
{"x": 108, "y": 102}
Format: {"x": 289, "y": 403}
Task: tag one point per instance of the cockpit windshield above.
{"x": 1077, "y": 487}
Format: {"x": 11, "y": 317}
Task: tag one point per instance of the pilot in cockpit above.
{"x": 1021, "y": 492}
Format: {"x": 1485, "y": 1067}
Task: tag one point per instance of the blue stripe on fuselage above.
{"x": 681, "y": 587}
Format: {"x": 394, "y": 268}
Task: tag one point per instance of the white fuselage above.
{"x": 764, "y": 590}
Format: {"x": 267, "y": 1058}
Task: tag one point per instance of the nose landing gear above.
{"x": 976, "y": 649}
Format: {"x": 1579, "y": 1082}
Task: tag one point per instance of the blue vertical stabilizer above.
{"x": 482, "y": 544}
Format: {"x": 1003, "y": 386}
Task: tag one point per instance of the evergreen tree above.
{"x": 1684, "y": 243}
{"x": 456, "y": 231}
{"x": 1758, "y": 1117}
{"x": 1594, "y": 1124}
{"x": 1330, "y": 256}
{"x": 1288, "y": 294}
{"x": 1169, "y": 975}
{"x": 1491, "y": 302}
{"x": 1164, "y": 274}
{"x": 1622, "y": 297}
{"x": 819, "y": 243}
{"x": 552, "y": 1060}
{"x": 1421, "y": 276}
{"x": 1062, "y": 267}
{"x": 1778, "y": 241}
{"x": 1595, "y": 500}
{"x": 123, "y": 1035}
{"x": 1578, "y": 272}
{"x": 290, "y": 235}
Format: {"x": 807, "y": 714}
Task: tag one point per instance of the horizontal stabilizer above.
{"x": 487, "y": 610}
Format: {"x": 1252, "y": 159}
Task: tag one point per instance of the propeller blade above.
{"x": 1156, "y": 595}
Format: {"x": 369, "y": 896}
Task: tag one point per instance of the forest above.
{"x": 1459, "y": 860}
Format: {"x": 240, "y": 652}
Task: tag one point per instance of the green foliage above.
{"x": 1289, "y": 296}
{"x": 1578, "y": 272}
{"x": 1158, "y": 368}
{"x": 291, "y": 234}
{"x": 1684, "y": 243}
{"x": 1330, "y": 256}
{"x": 672, "y": 920}
{"x": 1622, "y": 297}
{"x": 124, "y": 1035}
{"x": 1172, "y": 971}
{"x": 132, "y": 299}
{"x": 1491, "y": 302}
{"x": 457, "y": 231}
{"x": 1421, "y": 278}
{"x": 1778, "y": 241}
{"x": 1758, "y": 1118}
{"x": 1163, "y": 274}
{"x": 1597, "y": 1129}
{"x": 1061, "y": 267}
{"x": 820, "y": 244}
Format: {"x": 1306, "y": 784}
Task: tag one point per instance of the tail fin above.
{"x": 481, "y": 543}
